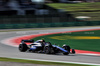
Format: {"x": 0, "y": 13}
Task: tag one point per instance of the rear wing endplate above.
{"x": 28, "y": 41}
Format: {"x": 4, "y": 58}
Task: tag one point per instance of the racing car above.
{"x": 41, "y": 46}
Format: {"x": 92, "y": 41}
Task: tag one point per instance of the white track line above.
{"x": 55, "y": 61}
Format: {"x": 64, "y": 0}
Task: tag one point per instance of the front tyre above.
{"x": 23, "y": 47}
{"x": 66, "y": 47}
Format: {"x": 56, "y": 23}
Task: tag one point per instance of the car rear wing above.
{"x": 28, "y": 41}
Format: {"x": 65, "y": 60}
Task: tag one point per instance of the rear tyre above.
{"x": 47, "y": 50}
{"x": 23, "y": 47}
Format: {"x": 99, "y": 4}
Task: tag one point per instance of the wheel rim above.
{"x": 20, "y": 48}
{"x": 46, "y": 49}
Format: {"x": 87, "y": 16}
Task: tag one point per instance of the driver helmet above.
{"x": 43, "y": 40}
{"x": 64, "y": 45}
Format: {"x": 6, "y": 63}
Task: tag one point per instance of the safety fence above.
{"x": 44, "y": 25}
{"x": 36, "y": 19}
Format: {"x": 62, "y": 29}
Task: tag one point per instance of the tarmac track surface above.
{"x": 9, "y": 51}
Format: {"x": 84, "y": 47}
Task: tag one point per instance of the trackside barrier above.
{"x": 43, "y": 25}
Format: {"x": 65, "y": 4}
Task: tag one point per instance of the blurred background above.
{"x": 60, "y": 13}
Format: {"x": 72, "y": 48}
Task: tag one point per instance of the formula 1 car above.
{"x": 41, "y": 46}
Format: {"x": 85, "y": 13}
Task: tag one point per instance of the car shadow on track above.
{"x": 57, "y": 54}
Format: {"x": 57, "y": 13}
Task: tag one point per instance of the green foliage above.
{"x": 80, "y": 9}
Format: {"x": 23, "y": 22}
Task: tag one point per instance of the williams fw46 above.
{"x": 40, "y": 46}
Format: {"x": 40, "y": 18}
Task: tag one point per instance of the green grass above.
{"x": 91, "y": 41}
{"x": 80, "y": 9}
{"x": 77, "y": 7}
{"x": 39, "y": 62}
